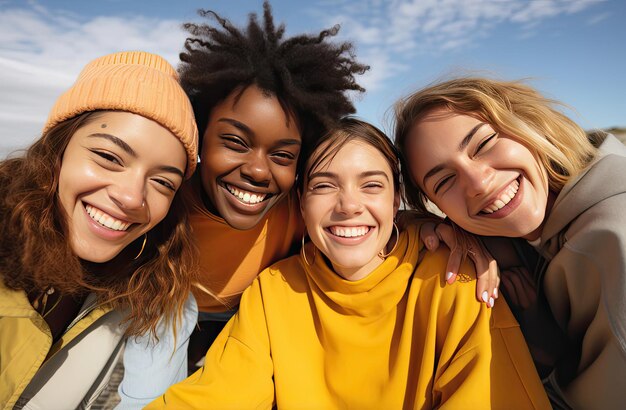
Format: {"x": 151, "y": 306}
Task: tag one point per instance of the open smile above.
{"x": 505, "y": 197}
{"x": 247, "y": 197}
{"x": 105, "y": 220}
{"x": 349, "y": 231}
{"x": 349, "y": 235}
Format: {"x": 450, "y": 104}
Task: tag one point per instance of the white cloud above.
{"x": 398, "y": 30}
{"x": 42, "y": 51}
{"x": 598, "y": 18}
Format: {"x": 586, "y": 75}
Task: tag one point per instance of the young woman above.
{"x": 361, "y": 318}
{"x": 499, "y": 160}
{"x": 90, "y": 249}
{"x": 259, "y": 99}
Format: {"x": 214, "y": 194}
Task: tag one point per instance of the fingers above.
{"x": 454, "y": 264}
{"x": 487, "y": 272}
{"x": 446, "y": 234}
{"x": 487, "y": 283}
{"x": 429, "y": 236}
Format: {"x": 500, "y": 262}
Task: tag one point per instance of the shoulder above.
{"x": 602, "y": 222}
{"x": 289, "y": 266}
{"x": 433, "y": 264}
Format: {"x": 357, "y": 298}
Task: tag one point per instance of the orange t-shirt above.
{"x": 230, "y": 259}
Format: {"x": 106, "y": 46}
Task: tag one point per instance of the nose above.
{"x": 348, "y": 203}
{"x": 478, "y": 178}
{"x": 129, "y": 192}
{"x": 257, "y": 169}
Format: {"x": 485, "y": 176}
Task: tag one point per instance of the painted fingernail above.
{"x": 449, "y": 276}
{"x": 485, "y": 297}
{"x": 491, "y": 302}
{"x": 495, "y": 293}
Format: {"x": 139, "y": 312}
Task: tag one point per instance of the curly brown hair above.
{"x": 308, "y": 74}
{"x": 35, "y": 251}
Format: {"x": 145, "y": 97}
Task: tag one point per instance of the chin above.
{"x": 244, "y": 224}
{"x": 90, "y": 254}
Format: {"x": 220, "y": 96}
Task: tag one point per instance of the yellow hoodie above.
{"x": 304, "y": 338}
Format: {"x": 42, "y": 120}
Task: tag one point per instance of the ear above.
{"x": 396, "y": 204}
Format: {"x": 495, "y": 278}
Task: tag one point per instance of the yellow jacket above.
{"x": 400, "y": 338}
{"x": 26, "y": 344}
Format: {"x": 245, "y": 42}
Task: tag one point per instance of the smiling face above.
{"x": 485, "y": 181}
{"x": 118, "y": 177}
{"x": 348, "y": 206}
{"x": 249, "y": 155}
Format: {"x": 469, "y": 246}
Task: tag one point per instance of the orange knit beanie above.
{"x": 137, "y": 82}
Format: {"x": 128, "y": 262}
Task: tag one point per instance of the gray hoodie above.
{"x": 584, "y": 243}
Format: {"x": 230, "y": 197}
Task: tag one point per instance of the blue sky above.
{"x": 571, "y": 50}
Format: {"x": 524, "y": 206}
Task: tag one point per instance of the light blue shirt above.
{"x": 151, "y": 367}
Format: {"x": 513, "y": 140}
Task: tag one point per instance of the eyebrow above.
{"x": 462, "y": 145}
{"x": 465, "y": 142}
{"x": 130, "y": 151}
{"x": 243, "y": 127}
{"x": 361, "y": 175}
{"x": 116, "y": 141}
{"x": 167, "y": 168}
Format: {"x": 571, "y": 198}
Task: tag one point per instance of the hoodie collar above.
{"x": 603, "y": 178}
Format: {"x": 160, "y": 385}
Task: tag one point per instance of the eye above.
{"x": 167, "y": 184}
{"x": 108, "y": 157}
{"x": 234, "y": 143}
{"x": 284, "y": 158}
{"x": 321, "y": 187}
{"x": 373, "y": 186}
{"x": 486, "y": 143}
{"x": 442, "y": 183}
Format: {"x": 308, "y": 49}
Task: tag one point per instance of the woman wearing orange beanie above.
{"x": 95, "y": 243}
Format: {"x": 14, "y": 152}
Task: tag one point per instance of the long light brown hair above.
{"x": 510, "y": 107}
{"x": 35, "y": 250}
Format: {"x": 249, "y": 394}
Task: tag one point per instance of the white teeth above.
{"x": 504, "y": 198}
{"x": 348, "y": 232}
{"x": 106, "y": 220}
{"x": 246, "y": 197}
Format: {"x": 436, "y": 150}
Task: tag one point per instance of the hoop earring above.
{"x": 303, "y": 253}
{"x": 383, "y": 255}
{"x": 143, "y": 245}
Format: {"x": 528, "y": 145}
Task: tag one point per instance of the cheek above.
{"x": 285, "y": 177}
{"x": 159, "y": 207}
{"x": 312, "y": 212}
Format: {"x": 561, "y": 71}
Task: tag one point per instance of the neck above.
{"x": 536, "y": 234}
{"x": 353, "y": 274}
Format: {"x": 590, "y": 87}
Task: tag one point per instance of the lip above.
{"x": 243, "y": 208}
{"x": 350, "y": 241}
{"x": 508, "y": 208}
{"x": 101, "y": 230}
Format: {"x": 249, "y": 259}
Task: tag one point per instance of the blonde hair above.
{"x": 510, "y": 107}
